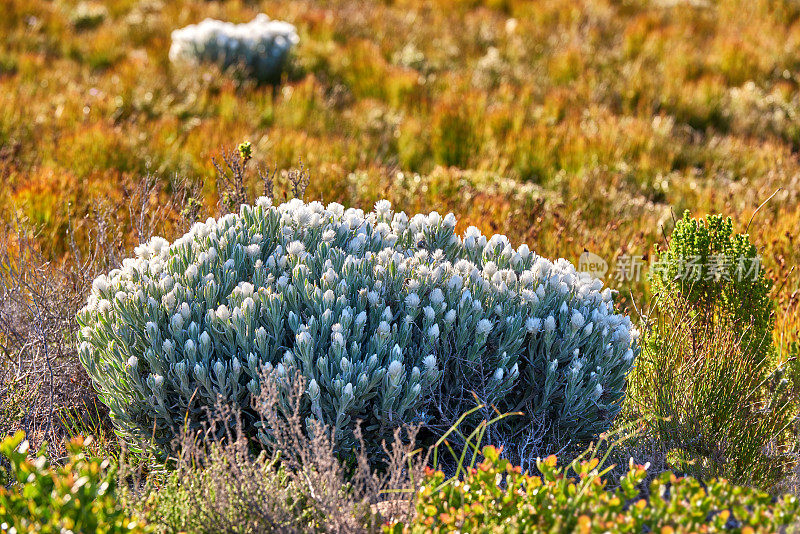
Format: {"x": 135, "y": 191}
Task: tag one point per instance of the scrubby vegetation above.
{"x": 293, "y": 363}
{"x": 575, "y": 499}
{"x": 716, "y": 397}
{"x": 78, "y": 496}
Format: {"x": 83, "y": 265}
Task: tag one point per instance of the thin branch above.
{"x": 747, "y": 228}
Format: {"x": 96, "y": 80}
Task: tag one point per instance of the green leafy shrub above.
{"x": 390, "y": 320}
{"x": 78, "y": 496}
{"x": 705, "y": 385}
{"x": 721, "y": 275}
{"x": 498, "y": 497}
{"x": 706, "y": 404}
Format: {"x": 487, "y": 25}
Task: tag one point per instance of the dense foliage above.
{"x": 78, "y": 496}
{"x": 390, "y": 320}
{"x": 498, "y": 497}
{"x": 713, "y": 396}
{"x": 721, "y": 275}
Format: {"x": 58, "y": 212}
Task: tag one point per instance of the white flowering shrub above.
{"x": 390, "y": 320}
{"x": 86, "y": 16}
{"x": 261, "y": 46}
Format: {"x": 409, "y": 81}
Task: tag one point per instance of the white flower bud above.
{"x": 395, "y": 368}
{"x": 484, "y": 327}
{"x": 253, "y": 251}
{"x": 412, "y": 300}
{"x": 313, "y": 389}
{"x": 455, "y": 283}
{"x": 337, "y": 339}
{"x": 246, "y": 289}
{"x": 415, "y": 374}
{"x": 372, "y": 298}
{"x": 433, "y": 331}
{"x": 437, "y": 297}
{"x": 295, "y": 248}
{"x": 533, "y": 325}
{"x": 100, "y": 284}
{"x": 222, "y": 313}
{"x": 577, "y": 319}
{"x": 302, "y": 337}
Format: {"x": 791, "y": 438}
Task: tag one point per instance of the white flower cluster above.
{"x": 261, "y": 46}
{"x": 390, "y": 319}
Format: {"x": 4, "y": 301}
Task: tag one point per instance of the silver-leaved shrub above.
{"x": 390, "y": 321}
{"x": 260, "y": 46}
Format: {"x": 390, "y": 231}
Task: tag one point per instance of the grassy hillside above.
{"x": 568, "y": 125}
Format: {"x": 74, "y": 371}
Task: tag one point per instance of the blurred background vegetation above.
{"x": 568, "y": 125}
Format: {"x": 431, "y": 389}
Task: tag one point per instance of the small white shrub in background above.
{"x": 87, "y": 15}
{"x": 261, "y": 46}
{"x": 391, "y": 320}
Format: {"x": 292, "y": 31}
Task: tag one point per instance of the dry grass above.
{"x": 300, "y": 486}
{"x": 44, "y": 390}
{"x": 40, "y": 376}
